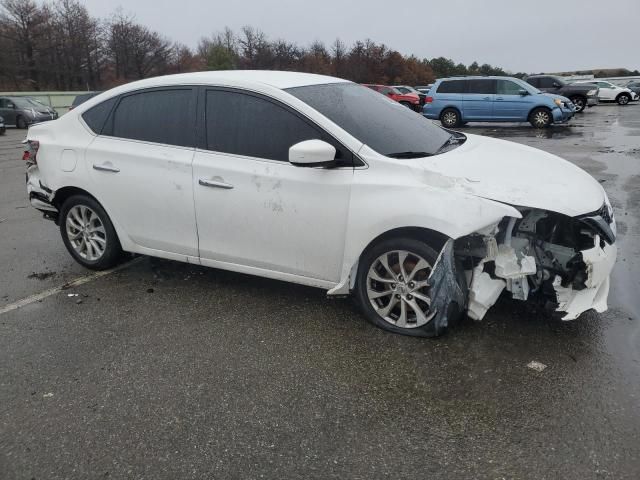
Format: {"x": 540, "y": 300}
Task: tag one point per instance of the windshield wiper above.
{"x": 408, "y": 154}
{"x": 452, "y": 141}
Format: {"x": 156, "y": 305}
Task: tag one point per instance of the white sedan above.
{"x": 320, "y": 181}
{"x": 608, "y": 92}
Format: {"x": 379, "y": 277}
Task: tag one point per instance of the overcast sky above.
{"x": 530, "y": 36}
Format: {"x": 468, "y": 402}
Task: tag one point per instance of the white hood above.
{"x": 516, "y": 174}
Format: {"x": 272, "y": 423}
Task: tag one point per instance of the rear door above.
{"x": 478, "y": 99}
{"x": 607, "y": 92}
{"x": 509, "y": 105}
{"x": 140, "y": 165}
{"x": 257, "y": 212}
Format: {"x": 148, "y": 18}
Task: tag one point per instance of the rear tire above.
{"x": 579, "y": 102}
{"x": 397, "y": 302}
{"x": 450, "y": 118}
{"x": 88, "y": 233}
{"x": 540, "y": 117}
{"x": 623, "y": 99}
{"x": 21, "y": 123}
{"x": 407, "y": 104}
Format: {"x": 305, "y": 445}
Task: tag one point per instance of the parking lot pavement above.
{"x": 168, "y": 370}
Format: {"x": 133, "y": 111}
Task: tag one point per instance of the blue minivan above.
{"x": 456, "y": 101}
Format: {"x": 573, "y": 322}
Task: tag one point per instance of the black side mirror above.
{"x": 523, "y": 92}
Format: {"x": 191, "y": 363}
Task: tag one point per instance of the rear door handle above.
{"x": 499, "y": 98}
{"x": 106, "y": 168}
{"x": 216, "y": 183}
{"x": 487, "y": 98}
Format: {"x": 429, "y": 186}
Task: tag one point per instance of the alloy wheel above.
{"x": 398, "y": 288}
{"x": 541, "y": 118}
{"x": 623, "y": 100}
{"x": 86, "y": 232}
{"x": 450, "y": 118}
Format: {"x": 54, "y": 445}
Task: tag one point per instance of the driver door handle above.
{"x": 216, "y": 183}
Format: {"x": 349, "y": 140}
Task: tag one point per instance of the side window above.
{"x": 159, "y": 116}
{"x": 96, "y": 116}
{"x": 531, "y": 81}
{"x": 507, "y": 87}
{"x": 546, "y": 82}
{"x": 452, "y": 86}
{"x": 252, "y": 126}
{"x": 3, "y": 103}
{"x": 482, "y": 86}
{"x": 385, "y": 90}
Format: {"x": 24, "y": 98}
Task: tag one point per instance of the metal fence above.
{"x": 61, "y": 101}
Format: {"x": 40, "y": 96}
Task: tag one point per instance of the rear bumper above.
{"x": 39, "y": 196}
{"x": 593, "y": 100}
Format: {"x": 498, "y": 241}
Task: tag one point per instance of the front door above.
{"x": 253, "y": 208}
{"x": 509, "y": 105}
{"x": 141, "y": 168}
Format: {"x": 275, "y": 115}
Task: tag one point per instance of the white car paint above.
{"x": 608, "y": 92}
{"x": 304, "y": 225}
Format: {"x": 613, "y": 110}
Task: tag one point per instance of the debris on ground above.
{"x": 149, "y": 290}
{"x": 41, "y": 275}
{"x": 72, "y": 294}
{"x": 537, "y": 366}
{"x": 47, "y": 395}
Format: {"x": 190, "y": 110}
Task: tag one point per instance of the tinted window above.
{"x": 160, "y": 116}
{"x": 386, "y": 127}
{"x": 546, "y": 82}
{"x": 452, "y": 86}
{"x": 484, "y": 86}
{"x": 531, "y": 81}
{"x": 96, "y": 116}
{"x": 507, "y": 87}
{"x": 253, "y": 126}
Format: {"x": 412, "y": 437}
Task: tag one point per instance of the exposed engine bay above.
{"x": 565, "y": 260}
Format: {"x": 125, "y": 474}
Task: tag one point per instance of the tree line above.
{"x": 60, "y": 46}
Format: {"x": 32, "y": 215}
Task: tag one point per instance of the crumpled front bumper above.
{"x": 599, "y": 262}
{"x": 511, "y": 269}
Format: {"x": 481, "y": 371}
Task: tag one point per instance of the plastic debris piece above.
{"x": 537, "y": 366}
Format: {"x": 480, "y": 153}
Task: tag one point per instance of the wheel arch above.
{"x": 66, "y": 192}
{"x": 536, "y": 107}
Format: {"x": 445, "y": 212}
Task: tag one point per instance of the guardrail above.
{"x": 61, "y": 101}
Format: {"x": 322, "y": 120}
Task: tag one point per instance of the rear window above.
{"x": 159, "y": 116}
{"x": 452, "y": 86}
{"x": 96, "y": 116}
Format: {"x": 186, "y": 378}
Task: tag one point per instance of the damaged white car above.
{"x": 319, "y": 181}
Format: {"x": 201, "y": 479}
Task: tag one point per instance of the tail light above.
{"x": 428, "y": 100}
{"x": 31, "y": 151}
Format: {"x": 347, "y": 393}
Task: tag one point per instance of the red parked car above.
{"x": 410, "y": 100}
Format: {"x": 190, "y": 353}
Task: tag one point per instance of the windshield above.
{"x": 387, "y": 127}
{"x": 27, "y": 103}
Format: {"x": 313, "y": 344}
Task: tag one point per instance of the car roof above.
{"x": 480, "y": 77}
{"x": 273, "y": 78}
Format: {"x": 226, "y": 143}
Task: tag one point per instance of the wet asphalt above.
{"x": 164, "y": 370}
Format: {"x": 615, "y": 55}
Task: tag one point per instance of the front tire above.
{"x": 450, "y": 118}
{"x": 392, "y": 287}
{"x": 579, "y": 102}
{"x": 623, "y": 99}
{"x": 540, "y": 117}
{"x": 21, "y": 123}
{"x": 88, "y": 233}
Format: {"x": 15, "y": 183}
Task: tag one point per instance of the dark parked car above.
{"x": 581, "y": 96}
{"x": 21, "y": 112}
{"x": 83, "y": 97}
{"x": 3, "y": 129}
{"x": 634, "y": 86}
